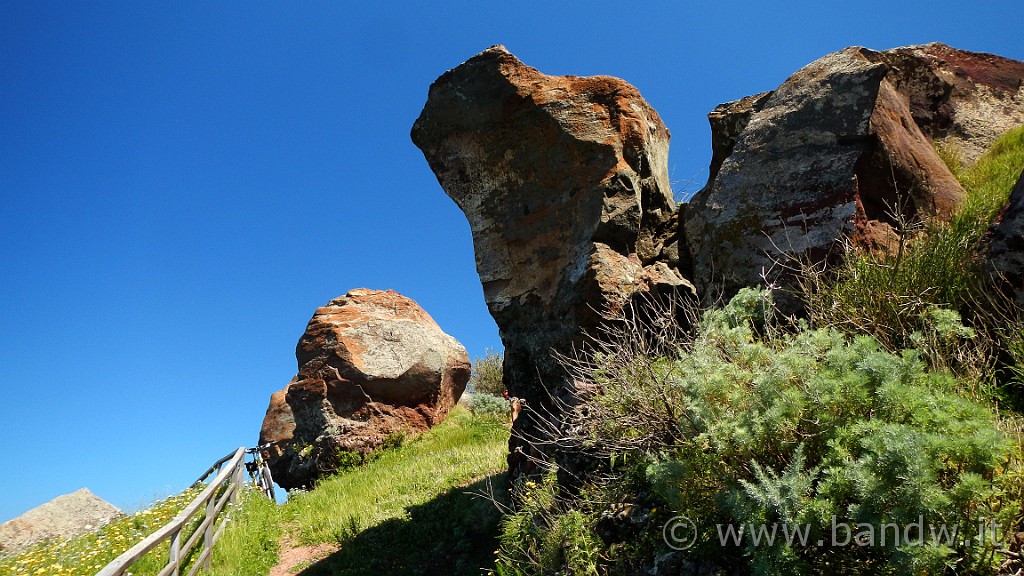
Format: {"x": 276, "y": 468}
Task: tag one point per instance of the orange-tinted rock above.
{"x": 900, "y": 170}
{"x": 564, "y": 181}
{"x": 372, "y": 364}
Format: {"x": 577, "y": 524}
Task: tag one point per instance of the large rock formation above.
{"x": 962, "y": 100}
{"x": 836, "y": 152}
{"x": 565, "y": 185}
{"x": 63, "y": 517}
{"x": 372, "y": 364}
{"x": 1006, "y": 248}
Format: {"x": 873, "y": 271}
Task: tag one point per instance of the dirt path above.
{"x": 294, "y": 558}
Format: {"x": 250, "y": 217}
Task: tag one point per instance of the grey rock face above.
{"x": 831, "y": 156}
{"x": 789, "y": 183}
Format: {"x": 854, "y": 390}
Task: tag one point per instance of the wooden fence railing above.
{"x": 212, "y": 502}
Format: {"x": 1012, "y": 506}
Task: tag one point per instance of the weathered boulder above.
{"x": 962, "y": 100}
{"x": 565, "y": 184}
{"x": 372, "y": 364}
{"x": 843, "y": 150}
{"x": 63, "y": 517}
{"x": 1006, "y": 248}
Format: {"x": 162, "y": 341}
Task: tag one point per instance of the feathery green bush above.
{"x": 484, "y": 404}
{"x": 750, "y": 427}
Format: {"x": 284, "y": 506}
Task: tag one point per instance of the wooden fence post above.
{"x": 208, "y": 535}
{"x": 174, "y": 557}
{"x": 228, "y": 483}
{"x": 237, "y": 479}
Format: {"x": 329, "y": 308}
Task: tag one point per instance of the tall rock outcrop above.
{"x": 565, "y": 185}
{"x": 74, "y": 514}
{"x": 372, "y": 364}
{"x": 836, "y": 151}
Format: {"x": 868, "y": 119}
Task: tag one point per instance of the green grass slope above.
{"x": 420, "y": 508}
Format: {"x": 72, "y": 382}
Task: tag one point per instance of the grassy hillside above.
{"x": 420, "y": 508}
{"x": 85, "y": 555}
{"x": 886, "y": 405}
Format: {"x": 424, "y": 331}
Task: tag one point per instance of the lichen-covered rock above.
{"x": 788, "y": 183}
{"x": 372, "y": 364}
{"x": 66, "y": 516}
{"x": 962, "y": 100}
{"x": 565, "y": 185}
{"x": 1006, "y": 248}
{"x": 837, "y": 153}
{"x": 727, "y": 123}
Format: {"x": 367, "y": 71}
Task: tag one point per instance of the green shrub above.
{"x": 750, "y": 426}
{"x": 348, "y": 459}
{"x": 486, "y": 375}
{"x": 545, "y": 537}
{"x": 484, "y": 404}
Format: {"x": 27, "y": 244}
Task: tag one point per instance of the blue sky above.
{"x": 183, "y": 183}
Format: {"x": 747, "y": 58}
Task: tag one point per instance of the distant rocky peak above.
{"x": 74, "y": 514}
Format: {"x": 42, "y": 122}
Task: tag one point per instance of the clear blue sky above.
{"x": 184, "y": 183}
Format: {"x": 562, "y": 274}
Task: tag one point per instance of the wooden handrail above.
{"x": 213, "y": 468}
{"x": 232, "y": 475}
